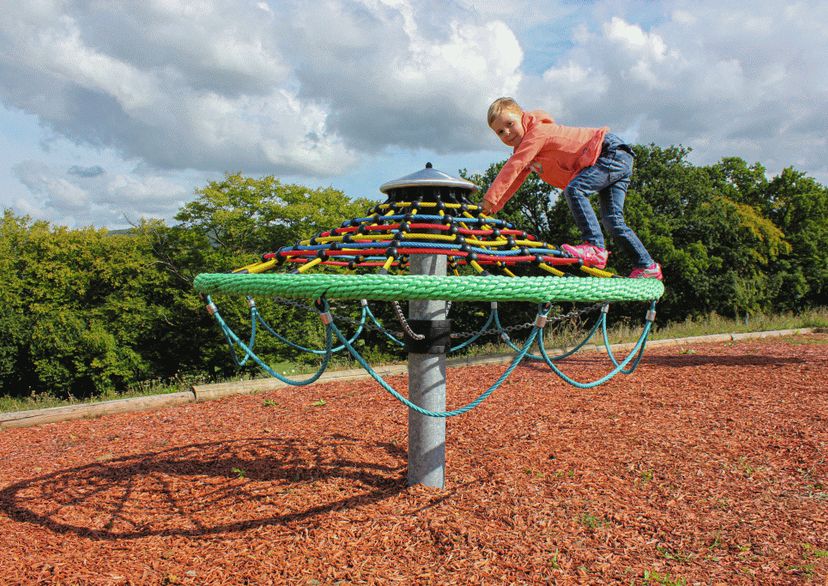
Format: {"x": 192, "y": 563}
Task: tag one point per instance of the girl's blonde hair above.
{"x": 501, "y": 104}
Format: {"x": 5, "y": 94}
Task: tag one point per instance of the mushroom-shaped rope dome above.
{"x": 429, "y": 212}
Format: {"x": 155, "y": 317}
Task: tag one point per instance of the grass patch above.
{"x": 674, "y": 555}
{"x": 591, "y": 521}
{"x": 651, "y": 577}
{"x": 145, "y": 388}
{"x": 716, "y": 324}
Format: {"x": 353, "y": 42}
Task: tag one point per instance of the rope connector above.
{"x": 363, "y": 302}
{"x": 540, "y": 321}
{"x": 211, "y": 308}
{"x": 605, "y": 308}
{"x": 505, "y": 336}
{"x": 493, "y": 305}
{"x": 251, "y": 303}
{"x": 326, "y": 318}
{"x": 651, "y": 315}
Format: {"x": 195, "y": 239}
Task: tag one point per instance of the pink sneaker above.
{"x": 651, "y": 272}
{"x": 590, "y": 254}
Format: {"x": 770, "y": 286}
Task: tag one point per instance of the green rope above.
{"x": 420, "y": 287}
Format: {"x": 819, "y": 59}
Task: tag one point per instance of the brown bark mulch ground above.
{"x": 707, "y": 465}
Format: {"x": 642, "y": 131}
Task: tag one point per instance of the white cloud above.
{"x": 83, "y": 195}
{"x": 395, "y": 76}
{"x": 283, "y": 87}
{"x": 150, "y": 91}
{"x": 59, "y": 193}
{"x": 286, "y": 87}
{"x": 739, "y": 78}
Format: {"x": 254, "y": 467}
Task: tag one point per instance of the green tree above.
{"x": 84, "y": 306}
{"x": 798, "y": 205}
{"x": 13, "y": 320}
{"x": 701, "y": 224}
{"x": 243, "y": 215}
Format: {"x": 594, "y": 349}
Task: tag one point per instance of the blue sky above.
{"x": 113, "y": 112}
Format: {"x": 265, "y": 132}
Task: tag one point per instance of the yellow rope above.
{"x": 310, "y": 265}
{"x": 551, "y": 269}
{"x": 257, "y": 267}
{"x": 595, "y": 272}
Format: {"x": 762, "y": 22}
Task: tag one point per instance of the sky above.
{"x": 113, "y": 111}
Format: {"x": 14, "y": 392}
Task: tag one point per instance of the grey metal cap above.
{"x": 428, "y": 177}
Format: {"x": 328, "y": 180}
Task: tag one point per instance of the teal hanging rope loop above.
{"x": 382, "y": 329}
{"x": 468, "y": 407}
{"x": 480, "y": 332}
{"x": 505, "y": 337}
{"x": 234, "y": 340}
{"x": 636, "y": 353}
{"x": 275, "y": 334}
{"x": 650, "y": 319}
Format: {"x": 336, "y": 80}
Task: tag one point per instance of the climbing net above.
{"x": 393, "y": 231}
{"x": 489, "y": 261}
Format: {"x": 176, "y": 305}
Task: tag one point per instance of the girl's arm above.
{"x": 512, "y": 175}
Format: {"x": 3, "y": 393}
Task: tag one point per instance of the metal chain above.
{"x": 407, "y": 327}
{"x": 339, "y": 318}
{"x": 529, "y": 324}
{"x": 404, "y": 323}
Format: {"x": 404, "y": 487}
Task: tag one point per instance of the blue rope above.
{"x": 431, "y": 218}
{"x": 437, "y": 245}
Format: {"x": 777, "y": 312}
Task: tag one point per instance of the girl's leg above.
{"x": 612, "y": 210}
{"x": 577, "y": 195}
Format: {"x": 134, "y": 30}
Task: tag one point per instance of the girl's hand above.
{"x": 487, "y": 208}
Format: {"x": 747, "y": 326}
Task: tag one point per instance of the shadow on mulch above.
{"x": 209, "y": 488}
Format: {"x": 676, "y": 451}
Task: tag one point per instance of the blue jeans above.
{"x": 610, "y": 177}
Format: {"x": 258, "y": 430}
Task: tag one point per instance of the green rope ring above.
{"x": 422, "y": 287}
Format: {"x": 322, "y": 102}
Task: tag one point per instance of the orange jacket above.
{"x": 556, "y": 153}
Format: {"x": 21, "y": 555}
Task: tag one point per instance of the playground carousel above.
{"x": 428, "y": 244}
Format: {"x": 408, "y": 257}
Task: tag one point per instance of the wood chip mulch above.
{"x": 708, "y": 465}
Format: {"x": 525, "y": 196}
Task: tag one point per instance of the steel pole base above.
{"x": 427, "y": 389}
